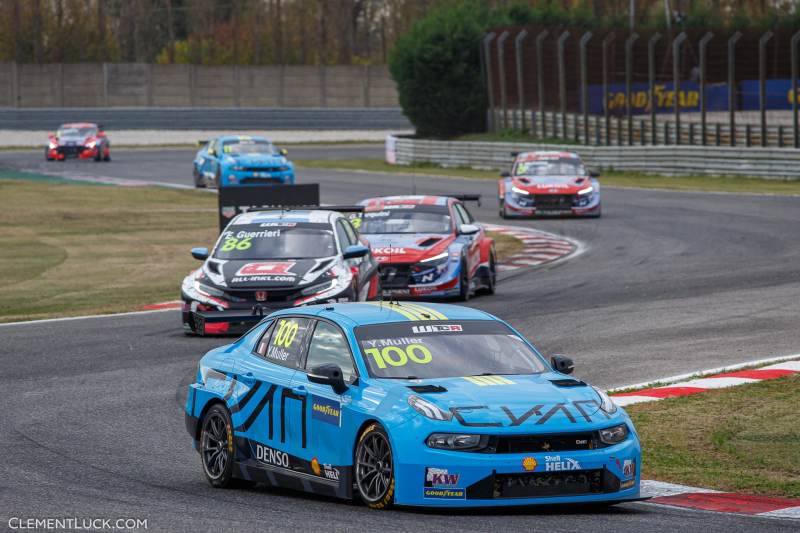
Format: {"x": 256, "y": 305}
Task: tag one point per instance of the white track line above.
{"x": 68, "y": 318}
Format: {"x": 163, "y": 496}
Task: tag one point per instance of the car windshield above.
{"x": 406, "y": 218}
{"x": 76, "y": 132}
{"x": 249, "y": 147}
{"x": 550, "y": 167}
{"x": 276, "y": 240}
{"x": 425, "y": 350}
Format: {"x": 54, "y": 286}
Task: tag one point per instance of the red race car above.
{"x": 429, "y": 246}
{"x": 82, "y": 140}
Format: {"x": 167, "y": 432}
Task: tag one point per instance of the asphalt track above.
{"x": 669, "y": 283}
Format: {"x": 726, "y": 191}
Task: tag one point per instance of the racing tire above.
{"x": 218, "y": 178}
{"x": 47, "y": 155}
{"x": 463, "y": 284}
{"x": 99, "y": 156}
{"x": 373, "y": 470}
{"x": 107, "y": 154}
{"x": 598, "y": 214}
{"x": 217, "y": 449}
{"x": 199, "y": 182}
{"x": 491, "y": 279}
{"x": 503, "y": 209}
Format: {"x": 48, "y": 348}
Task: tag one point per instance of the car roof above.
{"x": 224, "y": 138}
{"x": 416, "y": 199}
{"x": 546, "y": 154}
{"x": 365, "y": 313}
{"x": 314, "y": 216}
{"x": 78, "y": 125}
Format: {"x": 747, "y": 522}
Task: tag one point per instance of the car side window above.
{"x": 344, "y": 242}
{"x": 352, "y": 238}
{"x": 286, "y": 342}
{"x": 329, "y": 345}
{"x": 461, "y": 217}
{"x": 212, "y": 148}
{"x": 261, "y": 346}
{"x": 470, "y": 219}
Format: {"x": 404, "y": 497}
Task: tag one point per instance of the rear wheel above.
{"x": 216, "y": 447}
{"x": 374, "y": 468}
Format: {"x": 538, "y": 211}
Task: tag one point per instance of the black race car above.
{"x": 267, "y": 260}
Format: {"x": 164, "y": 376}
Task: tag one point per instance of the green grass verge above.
{"x": 73, "y": 249}
{"x": 740, "y": 439}
{"x": 734, "y": 184}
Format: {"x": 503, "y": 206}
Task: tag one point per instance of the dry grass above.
{"x": 505, "y": 245}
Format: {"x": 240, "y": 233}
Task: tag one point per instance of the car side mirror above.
{"x": 328, "y": 374}
{"x": 594, "y": 174}
{"x": 505, "y": 174}
{"x": 468, "y": 229}
{"x": 355, "y": 250}
{"x": 563, "y": 364}
{"x": 284, "y": 152}
{"x": 200, "y": 253}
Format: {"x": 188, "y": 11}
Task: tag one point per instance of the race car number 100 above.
{"x": 287, "y": 331}
{"x": 399, "y": 356}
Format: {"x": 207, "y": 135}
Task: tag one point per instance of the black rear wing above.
{"x": 468, "y": 198}
{"x": 202, "y": 143}
{"x": 343, "y": 208}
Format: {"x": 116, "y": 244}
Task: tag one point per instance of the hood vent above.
{"x": 430, "y": 241}
{"x": 213, "y": 267}
{"x": 567, "y": 383}
{"x": 322, "y": 265}
{"x": 424, "y": 389}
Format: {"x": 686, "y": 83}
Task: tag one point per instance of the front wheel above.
{"x": 107, "y": 154}
{"x": 463, "y": 283}
{"x": 374, "y": 468}
{"x": 491, "y": 279}
{"x": 199, "y": 181}
{"x": 503, "y": 209}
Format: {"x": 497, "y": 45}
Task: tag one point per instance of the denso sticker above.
{"x": 441, "y": 477}
{"x": 554, "y": 463}
{"x": 272, "y": 456}
{"x": 261, "y": 269}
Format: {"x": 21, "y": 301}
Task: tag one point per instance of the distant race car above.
{"x": 241, "y": 160}
{"x": 266, "y": 260}
{"x": 429, "y": 246}
{"x": 548, "y": 184}
{"x": 399, "y": 403}
{"x": 81, "y": 140}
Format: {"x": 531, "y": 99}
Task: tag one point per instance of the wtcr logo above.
{"x": 436, "y": 328}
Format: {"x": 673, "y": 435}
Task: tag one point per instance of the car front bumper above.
{"x": 527, "y": 207}
{"x": 475, "y": 479}
{"x": 256, "y": 176}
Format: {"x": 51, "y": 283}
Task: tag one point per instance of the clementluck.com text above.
{"x": 73, "y": 523}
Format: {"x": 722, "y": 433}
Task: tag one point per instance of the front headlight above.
{"x": 90, "y": 144}
{"x": 519, "y": 191}
{"x": 606, "y": 404}
{"x": 237, "y": 168}
{"x": 319, "y": 287}
{"x": 428, "y": 409}
{"x": 457, "y": 441}
{"x": 614, "y": 435}
{"x": 202, "y": 288}
{"x": 587, "y": 190}
{"x": 436, "y": 259}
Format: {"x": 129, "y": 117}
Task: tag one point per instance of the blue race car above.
{"x": 399, "y": 403}
{"x": 241, "y": 160}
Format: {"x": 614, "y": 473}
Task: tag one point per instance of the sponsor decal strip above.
{"x": 717, "y": 380}
{"x": 411, "y": 311}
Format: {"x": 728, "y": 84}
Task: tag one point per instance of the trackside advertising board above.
{"x": 235, "y": 200}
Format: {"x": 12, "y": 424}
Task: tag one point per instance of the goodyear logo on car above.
{"x": 326, "y": 410}
{"x": 444, "y": 494}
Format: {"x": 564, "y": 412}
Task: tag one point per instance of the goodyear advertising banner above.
{"x": 779, "y": 94}
{"x": 663, "y": 98}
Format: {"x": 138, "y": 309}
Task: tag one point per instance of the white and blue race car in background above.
{"x": 241, "y": 160}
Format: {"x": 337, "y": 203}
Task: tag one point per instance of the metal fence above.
{"x": 694, "y": 87}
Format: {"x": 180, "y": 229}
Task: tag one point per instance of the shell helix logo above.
{"x": 529, "y": 464}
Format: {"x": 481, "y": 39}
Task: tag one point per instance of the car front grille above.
{"x": 554, "y": 202}
{"x": 563, "y": 442}
{"x": 538, "y": 484}
{"x": 241, "y": 299}
{"x": 395, "y": 276}
{"x": 70, "y": 150}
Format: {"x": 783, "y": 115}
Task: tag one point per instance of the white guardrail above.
{"x": 769, "y": 163}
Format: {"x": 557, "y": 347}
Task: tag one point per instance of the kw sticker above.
{"x": 484, "y": 381}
